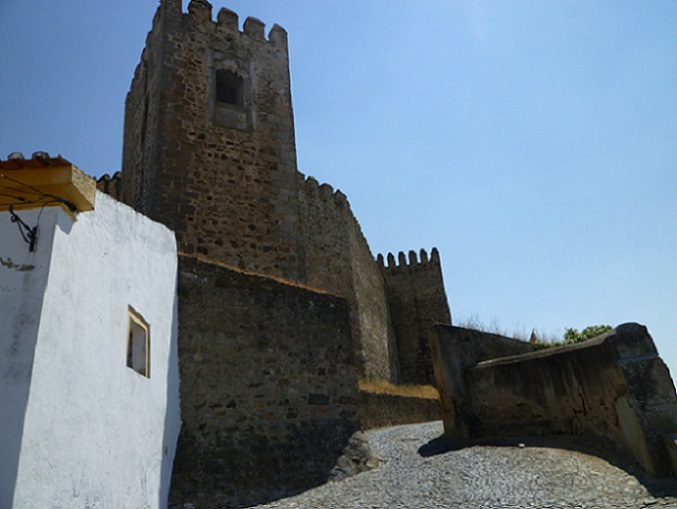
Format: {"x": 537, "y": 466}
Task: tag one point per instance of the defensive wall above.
{"x": 455, "y": 349}
{"x": 417, "y": 302}
{"x": 269, "y": 393}
{"x": 383, "y": 410}
{"x": 614, "y": 387}
{"x": 337, "y": 259}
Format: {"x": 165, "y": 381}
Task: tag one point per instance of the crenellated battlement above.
{"x": 227, "y": 22}
{"x": 324, "y": 192}
{"x": 107, "y": 178}
{"x": 111, "y": 185}
{"x": 410, "y": 261}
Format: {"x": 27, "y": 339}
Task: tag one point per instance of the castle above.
{"x": 209, "y": 151}
{"x": 281, "y": 302}
{"x": 255, "y": 309}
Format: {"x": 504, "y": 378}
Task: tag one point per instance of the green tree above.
{"x": 572, "y": 335}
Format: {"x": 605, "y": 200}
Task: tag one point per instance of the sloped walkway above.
{"x": 417, "y": 473}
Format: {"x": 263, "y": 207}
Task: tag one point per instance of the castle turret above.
{"x": 417, "y": 301}
{"x": 209, "y": 138}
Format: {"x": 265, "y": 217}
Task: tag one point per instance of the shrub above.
{"x": 572, "y": 335}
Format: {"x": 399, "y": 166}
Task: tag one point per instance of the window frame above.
{"x": 138, "y": 329}
{"x": 234, "y": 83}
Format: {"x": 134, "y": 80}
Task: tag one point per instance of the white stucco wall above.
{"x": 96, "y": 434}
{"x": 23, "y": 278}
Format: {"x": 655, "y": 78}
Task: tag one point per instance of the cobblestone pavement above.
{"x": 417, "y": 473}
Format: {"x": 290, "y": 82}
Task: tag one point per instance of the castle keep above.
{"x": 281, "y": 302}
{"x": 209, "y": 151}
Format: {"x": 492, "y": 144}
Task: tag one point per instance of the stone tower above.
{"x": 209, "y": 151}
{"x": 417, "y": 301}
{"x": 209, "y": 139}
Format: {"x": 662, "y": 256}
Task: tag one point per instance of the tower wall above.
{"x": 141, "y": 134}
{"x": 220, "y": 172}
{"x": 417, "y": 301}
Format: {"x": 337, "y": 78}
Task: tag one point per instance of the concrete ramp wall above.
{"x": 614, "y": 387}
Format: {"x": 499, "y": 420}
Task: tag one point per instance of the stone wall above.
{"x": 378, "y": 348}
{"x": 383, "y": 410}
{"x": 337, "y": 258}
{"x": 221, "y": 175}
{"x": 224, "y": 176}
{"x": 269, "y": 392}
{"x": 454, "y": 349}
{"x": 141, "y": 139}
{"x": 112, "y": 186}
{"x": 614, "y": 387}
{"x": 417, "y": 302}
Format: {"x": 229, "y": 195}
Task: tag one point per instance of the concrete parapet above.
{"x": 613, "y": 387}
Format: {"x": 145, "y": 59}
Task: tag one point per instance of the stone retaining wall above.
{"x": 383, "y": 410}
{"x": 613, "y": 387}
{"x": 269, "y": 392}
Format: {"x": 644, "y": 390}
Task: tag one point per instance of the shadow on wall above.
{"x": 23, "y": 277}
{"x": 16, "y": 353}
{"x": 613, "y": 387}
{"x": 171, "y": 431}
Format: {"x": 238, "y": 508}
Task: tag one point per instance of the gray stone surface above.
{"x": 357, "y": 457}
{"x": 416, "y": 473}
{"x": 614, "y": 387}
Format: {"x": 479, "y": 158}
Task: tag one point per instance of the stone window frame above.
{"x": 138, "y": 343}
{"x": 230, "y": 88}
{"x": 224, "y": 114}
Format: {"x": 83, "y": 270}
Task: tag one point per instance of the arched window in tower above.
{"x": 229, "y": 88}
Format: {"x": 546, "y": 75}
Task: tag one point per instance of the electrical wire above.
{"x": 30, "y": 235}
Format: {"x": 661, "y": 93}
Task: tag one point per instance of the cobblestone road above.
{"x": 416, "y": 473}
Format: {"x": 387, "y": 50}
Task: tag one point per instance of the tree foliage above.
{"x": 572, "y": 335}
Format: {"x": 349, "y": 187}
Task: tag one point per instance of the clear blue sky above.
{"x": 533, "y": 142}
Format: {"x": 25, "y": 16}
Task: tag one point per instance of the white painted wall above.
{"x": 96, "y": 434}
{"x": 23, "y": 278}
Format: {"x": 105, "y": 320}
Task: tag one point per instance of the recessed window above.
{"x": 138, "y": 343}
{"x": 229, "y": 88}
